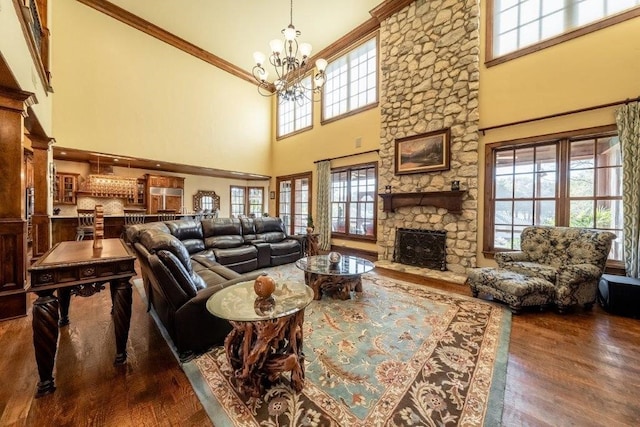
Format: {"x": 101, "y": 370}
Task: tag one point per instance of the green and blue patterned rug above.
{"x": 398, "y": 355}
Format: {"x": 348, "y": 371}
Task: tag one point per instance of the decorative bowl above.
{"x": 334, "y": 257}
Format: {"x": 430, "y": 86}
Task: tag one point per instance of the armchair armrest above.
{"x": 574, "y": 274}
{"x": 299, "y": 237}
{"x": 503, "y": 258}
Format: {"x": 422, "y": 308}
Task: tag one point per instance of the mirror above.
{"x": 206, "y": 201}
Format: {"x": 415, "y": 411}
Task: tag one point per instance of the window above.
{"x": 573, "y": 181}
{"x": 247, "y": 201}
{"x": 352, "y": 81}
{"x": 294, "y": 201}
{"x": 295, "y": 116}
{"x": 353, "y": 201}
{"x": 521, "y": 23}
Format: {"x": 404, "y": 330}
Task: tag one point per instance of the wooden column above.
{"x": 41, "y": 228}
{"x": 13, "y": 225}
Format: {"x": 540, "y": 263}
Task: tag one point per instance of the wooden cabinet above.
{"x": 165, "y": 181}
{"x": 66, "y": 185}
{"x": 139, "y": 200}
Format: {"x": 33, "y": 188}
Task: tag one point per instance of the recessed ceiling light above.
{"x": 157, "y": 165}
{"x": 116, "y": 160}
{"x": 237, "y": 173}
{"x": 64, "y": 153}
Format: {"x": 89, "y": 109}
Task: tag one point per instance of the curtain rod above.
{"x": 348, "y": 155}
{"x": 566, "y": 113}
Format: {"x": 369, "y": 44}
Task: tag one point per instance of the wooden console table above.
{"x": 76, "y": 268}
{"x": 450, "y": 200}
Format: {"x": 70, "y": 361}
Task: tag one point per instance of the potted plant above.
{"x": 310, "y": 226}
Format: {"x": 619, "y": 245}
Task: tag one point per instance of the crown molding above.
{"x": 388, "y": 8}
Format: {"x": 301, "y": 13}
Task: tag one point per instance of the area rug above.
{"x": 399, "y": 354}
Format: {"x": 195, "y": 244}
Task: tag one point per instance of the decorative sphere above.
{"x": 264, "y": 286}
{"x": 334, "y": 257}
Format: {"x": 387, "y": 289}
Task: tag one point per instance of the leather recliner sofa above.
{"x": 184, "y": 262}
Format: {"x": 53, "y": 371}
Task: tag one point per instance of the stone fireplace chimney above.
{"x": 429, "y": 81}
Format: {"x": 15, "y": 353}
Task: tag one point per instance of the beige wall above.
{"x": 598, "y": 68}
{"x": 120, "y": 91}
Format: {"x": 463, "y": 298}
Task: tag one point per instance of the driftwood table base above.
{"x": 336, "y": 286}
{"x": 260, "y": 351}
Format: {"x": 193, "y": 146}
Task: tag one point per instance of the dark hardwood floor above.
{"x": 577, "y": 369}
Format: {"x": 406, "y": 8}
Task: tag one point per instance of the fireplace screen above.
{"x": 421, "y": 248}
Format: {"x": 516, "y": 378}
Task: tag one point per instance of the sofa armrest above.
{"x": 574, "y": 274}
{"x": 203, "y": 295}
{"x": 503, "y": 258}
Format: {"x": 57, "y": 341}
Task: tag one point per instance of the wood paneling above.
{"x": 13, "y": 226}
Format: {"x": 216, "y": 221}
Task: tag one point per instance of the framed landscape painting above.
{"x": 427, "y": 152}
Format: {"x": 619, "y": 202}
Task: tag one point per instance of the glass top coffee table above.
{"x": 337, "y": 279}
{"x": 266, "y": 338}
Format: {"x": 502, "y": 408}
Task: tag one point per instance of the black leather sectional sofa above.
{"x": 184, "y": 262}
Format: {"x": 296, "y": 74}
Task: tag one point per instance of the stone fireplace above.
{"x": 429, "y": 81}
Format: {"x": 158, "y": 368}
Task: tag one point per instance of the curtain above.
{"x": 323, "y": 213}
{"x": 628, "y": 121}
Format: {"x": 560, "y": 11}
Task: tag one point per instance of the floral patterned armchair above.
{"x": 573, "y": 259}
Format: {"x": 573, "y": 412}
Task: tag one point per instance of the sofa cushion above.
{"x": 189, "y": 231}
{"x": 190, "y": 283}
{"x": 543, "y": 271}
{"x": 272, "y": 236}
{"x": 248, "y": 229}
{"x": 265, "y": 224}
{"x": 133, "y": 231}
{"x": 235, "y": 255}
{"x": 222, "y": 233}
{"x": 155, "y": 240}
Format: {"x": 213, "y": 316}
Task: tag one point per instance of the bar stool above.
{"x": 132, "y": 217}
{"x": 166, "y": 214}
{"x": 86, "y": 220}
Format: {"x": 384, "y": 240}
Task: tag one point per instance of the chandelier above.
{"x": 290, "y": 61}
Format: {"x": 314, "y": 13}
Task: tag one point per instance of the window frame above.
{"x": 358, "y": 237}
{"x": 570, "y": 34}
{"x": 246, "y": 200}
{"x": 295, "y": 131}
{"x": 290, "y": 225}
{"x": 562, "y": 197}
{"x": 343, "y": 54}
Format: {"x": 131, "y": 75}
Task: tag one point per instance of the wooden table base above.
{"x": 333, "y": 285}
{"x": 260, "y": 351}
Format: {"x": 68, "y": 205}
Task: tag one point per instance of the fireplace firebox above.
{"x": 421, "y": 248}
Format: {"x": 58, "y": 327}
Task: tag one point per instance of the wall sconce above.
{"x": 387, "y": 189}
{"x": 272, "y": 194}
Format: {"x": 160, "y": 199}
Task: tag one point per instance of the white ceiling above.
{"x": 234, "y": 29}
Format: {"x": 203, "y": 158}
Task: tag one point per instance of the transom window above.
{"x": 353, "y": 201}
{"x": 571, "y": 181}
{"x": 295, "y": 116}
{"x": 352, "y": 81}
{"x": 521, "y": 23}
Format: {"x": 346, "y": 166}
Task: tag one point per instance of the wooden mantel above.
{"x": 450, "y": 200}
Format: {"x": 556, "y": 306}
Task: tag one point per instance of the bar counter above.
{"x": 64, "y": 226}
